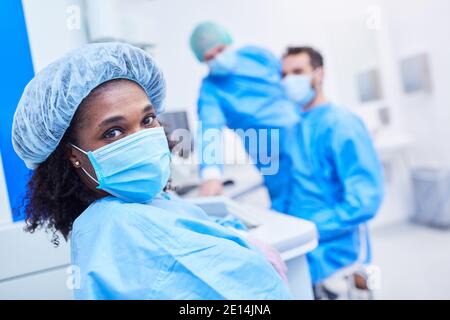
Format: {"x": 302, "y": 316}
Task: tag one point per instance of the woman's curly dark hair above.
{"x": 55, "y": 195}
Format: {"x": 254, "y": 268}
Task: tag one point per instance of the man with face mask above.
{"x": 338, "y": 180}
{"x": 243, "y": 90}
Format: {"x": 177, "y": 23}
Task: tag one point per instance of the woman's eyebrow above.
{"x": 110, "y": 121}
{"x": 148, "y": 108}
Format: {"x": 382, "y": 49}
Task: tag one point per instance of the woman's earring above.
{"x": 77, "y": 163}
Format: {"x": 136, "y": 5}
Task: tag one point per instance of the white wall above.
{"x": 423, "y": 26}
{"x": 176, "y": 19}
{"x": 272, "y": 24}
{"x": 49, "y": 26}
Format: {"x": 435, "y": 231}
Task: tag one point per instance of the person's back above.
{"x": 167, "y": 249}
{"x": 250, "y": 96}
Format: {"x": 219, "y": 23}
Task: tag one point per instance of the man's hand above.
{"x": 212, "y": 187}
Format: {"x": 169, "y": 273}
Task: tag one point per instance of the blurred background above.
{"x": 388, "y": 61}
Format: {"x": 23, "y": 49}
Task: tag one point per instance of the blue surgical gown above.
{"x": 167, "y": 249}
{"x": 338, "y": 185}
{"x": 252, "y": 97}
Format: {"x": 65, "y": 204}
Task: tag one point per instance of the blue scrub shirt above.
{"x": 252, "y": 97}
{"x": 337, "y": 184}
{"x": 167, "y": 249}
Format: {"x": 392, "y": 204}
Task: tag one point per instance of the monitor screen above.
{"x": 176, "y": 125}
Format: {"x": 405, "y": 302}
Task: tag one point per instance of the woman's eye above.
{"x": 111, "y": 134}
{"x": 149, "y": 120}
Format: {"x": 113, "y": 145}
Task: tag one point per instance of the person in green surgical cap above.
{"x": 243, "y": 90}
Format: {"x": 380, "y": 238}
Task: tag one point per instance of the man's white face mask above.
{"x": 299, "y": 89}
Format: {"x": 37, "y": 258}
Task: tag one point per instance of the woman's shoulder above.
{"x": 111, "y": 210}
{"x": 179, "y": 206}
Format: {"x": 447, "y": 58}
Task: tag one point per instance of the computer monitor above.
{"x": 172, "y": 121}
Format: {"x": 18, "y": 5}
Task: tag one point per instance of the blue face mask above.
{"x": 135, "y": 168}
{"x": 299, "y": 89}
{"x": 224, "y": 63}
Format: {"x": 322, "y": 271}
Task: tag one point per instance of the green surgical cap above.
{"x": 206, "y": 36}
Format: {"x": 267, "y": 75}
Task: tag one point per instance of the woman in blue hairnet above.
{"x": 243, "y": 91}
{"x": 87, "y": 126}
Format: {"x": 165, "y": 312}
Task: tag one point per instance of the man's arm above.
{"x": 210, "y": 136}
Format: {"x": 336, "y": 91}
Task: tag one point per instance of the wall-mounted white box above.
{"x": 415, "y": 73}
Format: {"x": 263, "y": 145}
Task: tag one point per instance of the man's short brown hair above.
{"x": 314, "y": 55}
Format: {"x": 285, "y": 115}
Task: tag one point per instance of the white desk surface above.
{"x": 389, "y": 144}
{"x": 291, "y": 236}
{"x": 245, "y": 177}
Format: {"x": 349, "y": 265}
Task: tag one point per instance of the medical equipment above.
{"x": 291, "y": 236}
{"x": 176, "y": 126}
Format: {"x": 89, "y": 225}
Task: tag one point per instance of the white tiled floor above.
{"x": 414, "y": 261}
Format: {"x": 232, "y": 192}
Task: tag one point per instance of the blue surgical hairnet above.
{"x": 52, "y": 97}
{"x": 208, "y": 35}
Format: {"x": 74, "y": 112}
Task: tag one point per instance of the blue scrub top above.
{"x": 252, "y": 97}
{"x": 337, "y": 184}
{"x": 167, "y": 249}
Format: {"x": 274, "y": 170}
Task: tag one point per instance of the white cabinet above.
{"x": 31, "y": 267}
{"x": 5, "y": 209}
